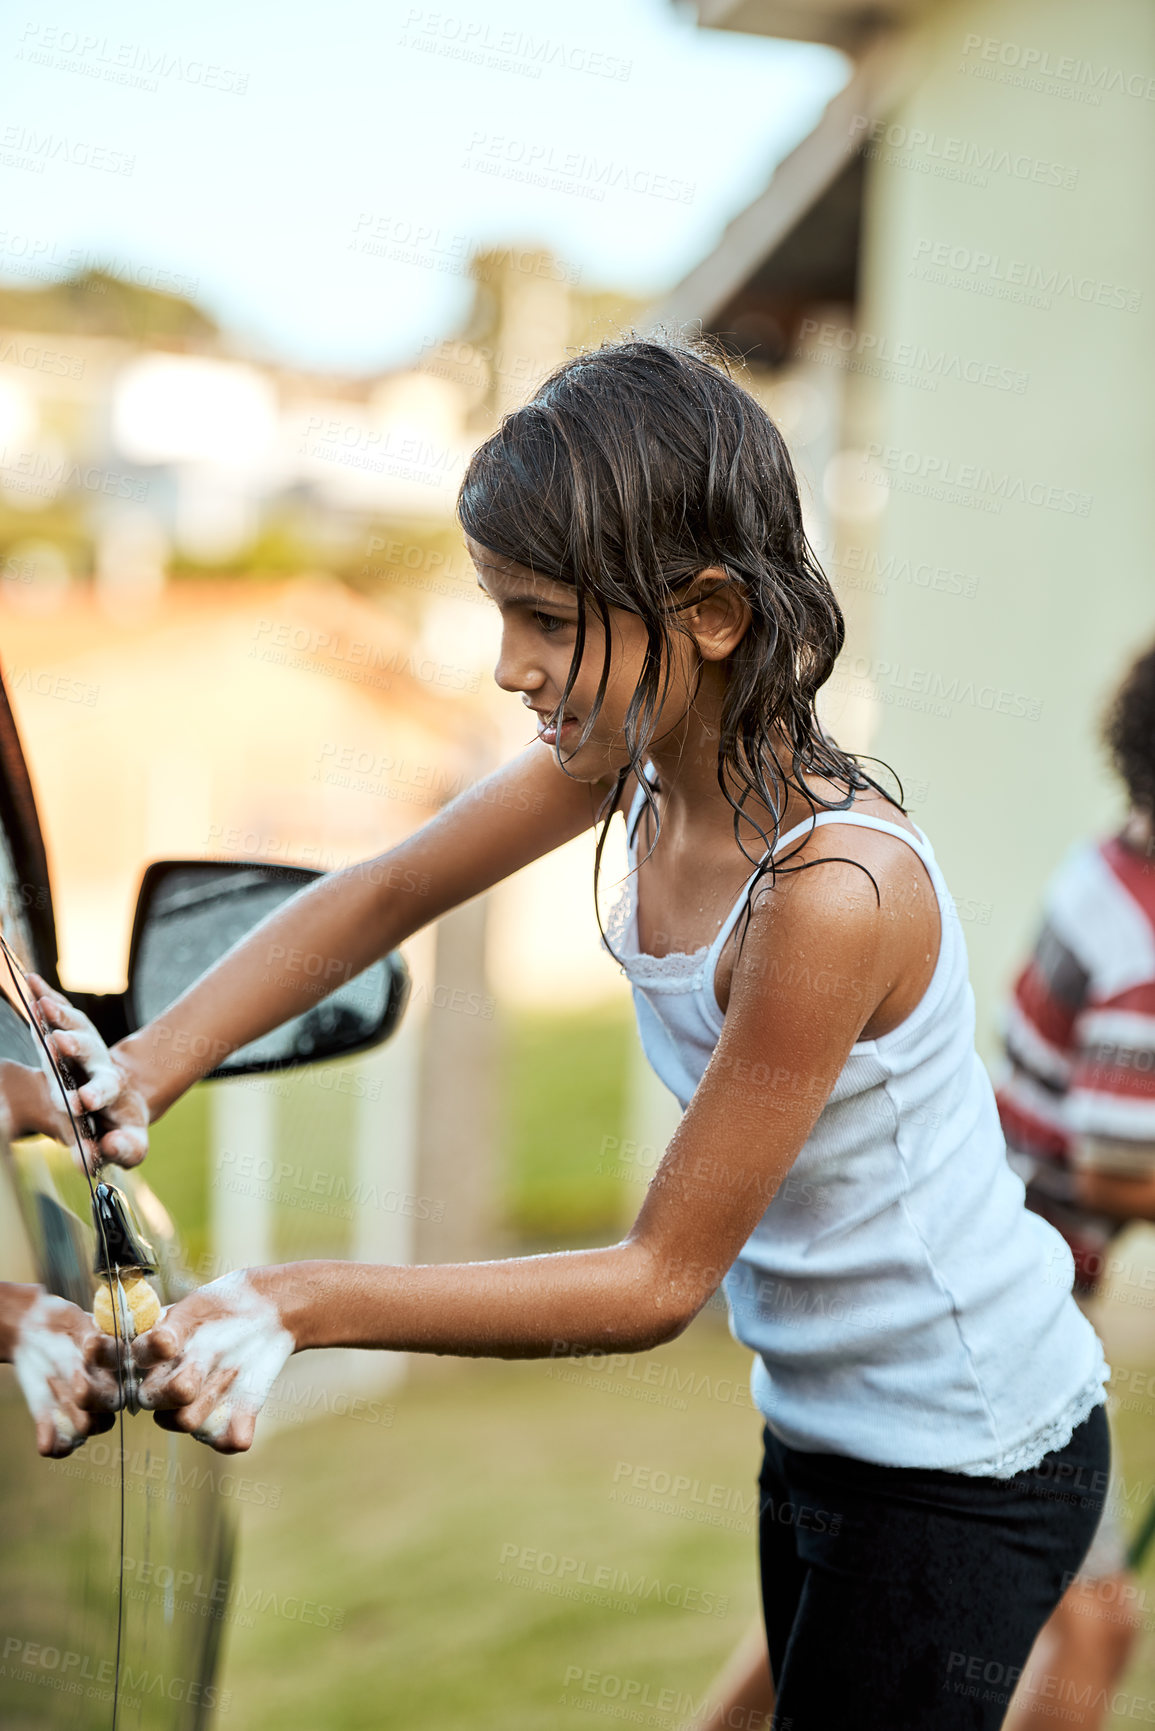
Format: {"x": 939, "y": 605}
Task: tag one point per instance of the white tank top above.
{"x": 903, "y": 1304}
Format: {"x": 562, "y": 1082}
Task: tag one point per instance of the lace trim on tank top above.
{"x": 683, "y": 966}
{"x": 1052, "y": 1436}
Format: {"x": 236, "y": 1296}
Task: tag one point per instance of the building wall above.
{"x": 989, "y": 701}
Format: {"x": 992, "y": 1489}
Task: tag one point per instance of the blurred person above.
{"x": 741, "y": 1696}
{"x": 800, "y": 982}
{"x": 1078, "y": 1109}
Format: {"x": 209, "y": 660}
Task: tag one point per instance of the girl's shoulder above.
{"x": 870, "y": 804}
{"x": 827, "y": 806}
{"x": 886, "y": 861}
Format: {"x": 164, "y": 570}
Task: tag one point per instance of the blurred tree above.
{"x": 96, "y": 303}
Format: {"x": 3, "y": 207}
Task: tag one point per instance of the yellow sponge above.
{"x": 135, "y": 1306}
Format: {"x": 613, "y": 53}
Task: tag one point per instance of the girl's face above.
{"x": 539, "y": 631}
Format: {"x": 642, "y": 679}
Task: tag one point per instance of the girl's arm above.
{"x": 330, "y": 931}
{"x": 805, "y": 986}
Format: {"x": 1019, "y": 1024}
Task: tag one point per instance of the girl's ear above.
{"x": 717, "y": 614}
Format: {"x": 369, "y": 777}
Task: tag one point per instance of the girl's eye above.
{"x": 549, "y": 623}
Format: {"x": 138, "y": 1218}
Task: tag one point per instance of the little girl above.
{"x": 935, "y": 1444}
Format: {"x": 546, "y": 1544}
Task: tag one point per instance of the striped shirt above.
{"x": 1080, "y": 1040}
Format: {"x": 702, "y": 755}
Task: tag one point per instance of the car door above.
{"x": 115, "y": 1580}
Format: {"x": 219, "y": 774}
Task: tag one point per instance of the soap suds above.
{"x": 43, "y": 1355}
{"x": 251, "y": 1340}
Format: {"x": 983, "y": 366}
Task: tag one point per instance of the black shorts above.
{"x": 904, "y": 1599}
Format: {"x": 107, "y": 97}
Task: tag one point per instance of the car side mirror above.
{"x": 189, "y": 913}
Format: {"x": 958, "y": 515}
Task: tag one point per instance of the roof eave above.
{"x": 799, "y": 180}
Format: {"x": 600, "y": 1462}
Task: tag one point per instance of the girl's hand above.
{"x": 56, "y": 1352}
{"x": 30, "y": 1104}
{"x": 108, "y": 1090}
{"x": 208, "y": 1363}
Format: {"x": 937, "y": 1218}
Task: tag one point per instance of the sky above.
{"x": 316, "y": 176}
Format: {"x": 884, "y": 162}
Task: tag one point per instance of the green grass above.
{"x": 564, "y": 1081}
{"x": 177, "y": 1169}
{"x": 398, "y": 1532}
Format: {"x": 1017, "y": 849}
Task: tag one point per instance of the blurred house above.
{"x": 288, "y": 722}
{"x": 944, "y": 295}
{"x": 136, "y": 439}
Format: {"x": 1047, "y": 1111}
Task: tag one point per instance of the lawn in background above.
{"x": 383, "y": 1591}
{"x": 177, "y": 1169}
{"x": 564, "y": 1088}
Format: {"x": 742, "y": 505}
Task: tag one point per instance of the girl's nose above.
{"x": 515, "y": 670}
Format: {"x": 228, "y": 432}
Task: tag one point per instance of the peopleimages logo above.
{"x": 16, "y": 352}
{"x": 993, "y": 488}
{"x": 137, "y": 64}
{"x": 25, "y": 147}
{"x": 953, "y": 157}
{"x": 933, "y": 684}
{"x": 542, "y": 164}
{"x": 1040, "y": 63}
{"x": 901, "y": 362}
{"x": 527, "y": 1560}
{"x": 482, "y": 43}
{"x": 992, "y": 274}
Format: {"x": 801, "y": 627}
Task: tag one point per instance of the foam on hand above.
{"x": 43, "y": 1355}
{"x": 250, "y": 1340}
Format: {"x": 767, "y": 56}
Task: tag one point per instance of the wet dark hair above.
{"x": 1129, "y": 732}
{"x": 633, "y": 468}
